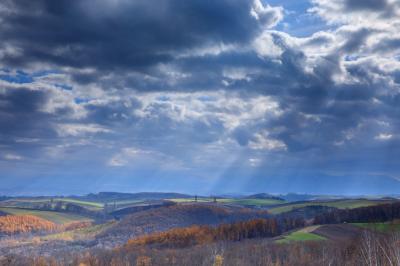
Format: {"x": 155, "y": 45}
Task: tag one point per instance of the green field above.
{"x": 301, "y": 235}
{"x": 380, "y": 227}
{"x": 244, "y": 202}
{"x": 341, "y": 204}
{"x": 56, "y": 217}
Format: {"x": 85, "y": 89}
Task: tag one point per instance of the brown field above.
{"x": 338, "y": 232}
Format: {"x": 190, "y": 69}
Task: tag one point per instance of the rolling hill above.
{"x": 165, "y": 218}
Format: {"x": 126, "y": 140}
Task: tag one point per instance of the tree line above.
{"x": 199, "y": 235}
{"x": 371, "y": 214}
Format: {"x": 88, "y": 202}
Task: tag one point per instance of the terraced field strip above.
{"x": 341, "y": 204}
{"x": 91, "y": 204}
{"x": 56, "y": 217}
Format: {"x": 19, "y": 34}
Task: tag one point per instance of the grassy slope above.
{"x": 304, "y": 234}
{"x": 56, "y": 217}
{"x": 341, "y": 204}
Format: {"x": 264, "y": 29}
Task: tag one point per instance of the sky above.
{"x": 200, "y": 96}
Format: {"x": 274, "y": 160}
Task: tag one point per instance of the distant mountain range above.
{"x": 110, "y": 196}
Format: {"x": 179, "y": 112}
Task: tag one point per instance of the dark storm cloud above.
{"x": 22, "y": 122}
{"x": 355, "y": 39}
{"x": 20, "y": 112}
{"x": 388, "y": 45}
{"x": 319, "y": 113}
{"x": 374, "y": 5}
{"x": 113, "y": 112}
{"x": 121, "y": 34}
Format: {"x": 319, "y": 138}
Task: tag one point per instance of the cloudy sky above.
{"x": 200, "y": 96}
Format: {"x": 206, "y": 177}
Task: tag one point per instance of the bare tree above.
{"x": 369, "y": 249}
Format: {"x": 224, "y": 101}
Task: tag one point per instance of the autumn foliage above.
{"x": 198, "y": 235}
{"x": 76, "y": 225}
{"x": 13, "y": 224}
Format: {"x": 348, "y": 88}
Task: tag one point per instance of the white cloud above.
{"x": 254, "y": 162}
{"x": 12, "y": 157}
{"x": 126, "y": 155}
{"x": 265, "y": 14}
{"x": 356, "y": 11}
{"x": 229, "y": 108}
{"x": 265, "y": 45}
{"x": 65, "y": 130}
{"x": 384, "y": 137}
{"x": 135, "y": 157}
{"x": 261, "y": 141}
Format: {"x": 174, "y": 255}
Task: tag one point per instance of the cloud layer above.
{"x": 193, "y": 94}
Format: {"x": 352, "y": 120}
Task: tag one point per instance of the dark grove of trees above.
{"x": 378, "y": 213}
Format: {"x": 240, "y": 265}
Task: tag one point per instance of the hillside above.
{"x": 165, "y": 218}
{"x": 186, "y": 224}
{"x": 200, "y": 235}
{"x": 307, "y": 212}
{"x": 14, "y": 224}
